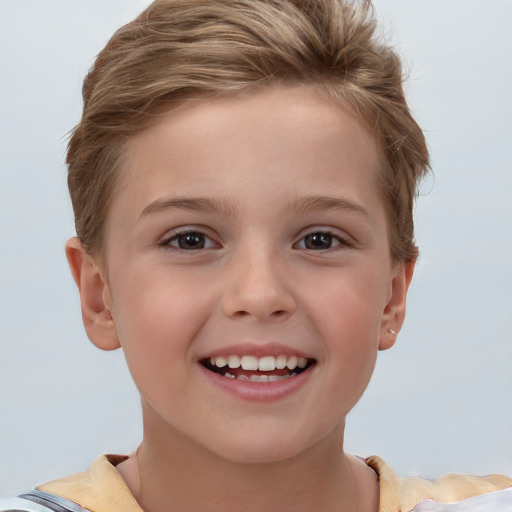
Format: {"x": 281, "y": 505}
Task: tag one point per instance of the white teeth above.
{"x": 258, "y": 378}
{"x": 234, "y": 362}
{"x": 243, "y": 377}
{"x": 229, "y": 376}
{"x": 281, "y": 362}
{"x": 262, "y": 364}
{"x": 249, "y": 363}
{"x": 291, "y": 363}
{"x": 266, "y": 364}
{"x": 220, "y": 362}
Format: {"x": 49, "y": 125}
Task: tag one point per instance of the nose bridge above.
{"x": 257, "y": 285}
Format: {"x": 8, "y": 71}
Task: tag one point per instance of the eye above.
{"x": 190, "y": 241}
{"x": 320, "y": 240}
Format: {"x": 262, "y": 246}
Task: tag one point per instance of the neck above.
{"x": 173, "y": 472}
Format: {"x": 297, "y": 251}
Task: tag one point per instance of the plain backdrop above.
{"x": 440, "y": 401}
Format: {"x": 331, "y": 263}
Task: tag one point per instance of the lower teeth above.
{"x": 260, "y": 378}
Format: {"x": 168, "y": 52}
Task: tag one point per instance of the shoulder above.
{"x": 404, "y": 494}
{"x": 38, "y": 501}
{"x": 99, "y": 489}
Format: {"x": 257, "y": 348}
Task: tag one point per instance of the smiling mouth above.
{"x": 258, "y": 369}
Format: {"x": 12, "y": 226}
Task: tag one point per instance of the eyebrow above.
{"x": 230, "y": 209}
{"x": 193, "y": 204}
{"x": 314, "y": 203}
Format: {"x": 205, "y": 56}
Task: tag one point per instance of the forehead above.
{"x": 245, "y": 146}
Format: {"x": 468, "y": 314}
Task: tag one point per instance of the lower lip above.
{"x": 259, "y": 391}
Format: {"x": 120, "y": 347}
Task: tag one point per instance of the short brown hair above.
{"x": 181, "y": 49}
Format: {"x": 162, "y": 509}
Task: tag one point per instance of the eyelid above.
{"x": 343, "y": 239}
{"x": 173, "y": 234}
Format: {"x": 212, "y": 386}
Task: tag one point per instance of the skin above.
{"x": 258, "y": 160}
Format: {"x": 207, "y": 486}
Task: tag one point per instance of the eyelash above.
{"x": 339, "y": 242}
{"x": 167, "y": 242}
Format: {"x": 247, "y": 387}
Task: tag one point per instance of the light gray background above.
{"x": 440, "y": 401}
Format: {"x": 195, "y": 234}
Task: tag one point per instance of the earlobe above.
{"x": 394, "y": 312}
{"x": 94, "y": 296}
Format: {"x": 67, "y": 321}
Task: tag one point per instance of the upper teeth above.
{"x": 262, "y": 364}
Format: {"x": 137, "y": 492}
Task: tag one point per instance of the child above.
{"x": 242, "y": 180}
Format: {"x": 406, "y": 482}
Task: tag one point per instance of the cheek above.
{"x": 157, "y": 317}
{"x": 350, "y": 302}
{"x": 348, "y": 318}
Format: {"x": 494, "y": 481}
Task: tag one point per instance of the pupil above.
{"x": 318, "y": 241}
{"x": 191, "y": 241}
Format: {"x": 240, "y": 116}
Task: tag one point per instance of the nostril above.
{"x": 276, "y": 315}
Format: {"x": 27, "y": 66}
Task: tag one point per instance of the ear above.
{"x": 394, "y": 312}
{"x": 94, "y": 296}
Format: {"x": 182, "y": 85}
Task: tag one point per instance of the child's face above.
{"x": 252, "y": 227}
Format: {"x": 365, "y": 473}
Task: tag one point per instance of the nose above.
{"x": 259, "y": 287}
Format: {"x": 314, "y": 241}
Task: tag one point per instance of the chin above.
{"x": 257, "y": 455}
{"x": 261, "y": 446}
